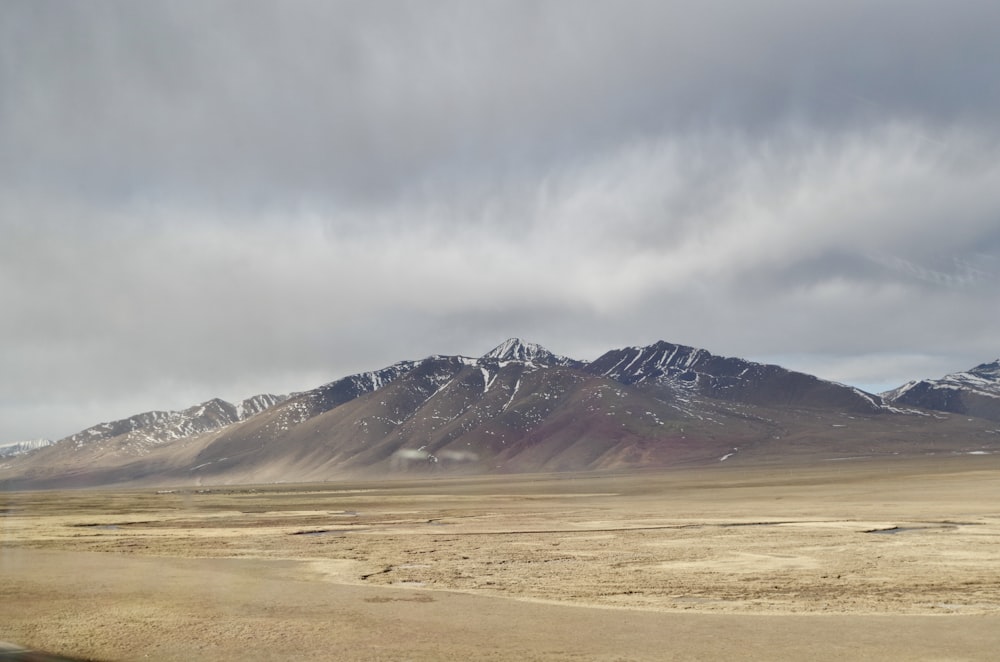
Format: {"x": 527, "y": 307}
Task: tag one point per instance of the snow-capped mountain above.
{"x": 441, "y": 409}
{"x": 515, "y": 349}
{"x": 20, "y": 447}
{"x": 688, "y": 369}
{"x": 137, "y": 434}
{"x": 518, "y": 407}
{"x": 974, "y": 392}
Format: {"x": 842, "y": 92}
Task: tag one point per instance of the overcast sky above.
{"x": 205, "y": 199}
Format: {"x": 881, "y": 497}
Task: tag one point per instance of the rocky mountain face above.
{"x": 517, "y": 408}
{"x": 683, "y": 369}
{"x": 975, "y": 392}
{"x": 515, "y": 349}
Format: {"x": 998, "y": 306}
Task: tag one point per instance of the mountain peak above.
{"x": 515, "y": 349}
{"x": 987, "y": 370}
{"x": 974, "y": 392}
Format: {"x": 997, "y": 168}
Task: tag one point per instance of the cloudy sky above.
{"x": 205, "y": 198}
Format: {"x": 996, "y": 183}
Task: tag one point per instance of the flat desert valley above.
{"x": 894, "y": 559}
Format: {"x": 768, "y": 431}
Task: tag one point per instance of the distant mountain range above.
{"x": 522, "y": 408}
{"x": 975, "y": 392}
{"x": 20, "y": 447}
{"x": 142, "y": 432}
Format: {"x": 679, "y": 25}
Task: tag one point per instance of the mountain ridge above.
{"x": 156, "y": 427}
{"x": 518, "y": 407}
{"x": 722, "y": 377}
{"x": 20, "y": 447}
{"x": 974, "y": 392}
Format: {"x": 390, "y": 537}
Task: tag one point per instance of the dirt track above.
{"x": 740, "y": 564}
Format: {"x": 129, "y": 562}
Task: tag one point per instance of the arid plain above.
{"x": 845, "y": 559}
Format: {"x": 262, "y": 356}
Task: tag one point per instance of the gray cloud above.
{"x": 219, "y": 198}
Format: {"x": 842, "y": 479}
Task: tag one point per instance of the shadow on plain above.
{"x": 13, "y": 652}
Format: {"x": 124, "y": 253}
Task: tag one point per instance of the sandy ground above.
{"x": 849, "y": 560}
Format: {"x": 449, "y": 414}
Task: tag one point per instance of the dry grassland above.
{"x": 896, "y": 559}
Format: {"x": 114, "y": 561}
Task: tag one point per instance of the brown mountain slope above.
{"x": 521, "y": 408}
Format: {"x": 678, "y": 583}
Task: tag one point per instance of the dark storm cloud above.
{"x": 217, "y": 198}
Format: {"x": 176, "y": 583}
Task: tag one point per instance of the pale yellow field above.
{"x": 727, "y": 563}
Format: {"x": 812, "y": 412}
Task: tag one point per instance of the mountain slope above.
{"x": 139, "y": 433}
{"x": 517, "y": 408}
{"x": 496, "y": 412}
{"x": 683, "y": 369}
{"x": 974, "y": 392}
{"x": 21, "y": 447}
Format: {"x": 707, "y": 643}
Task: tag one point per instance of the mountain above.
{"x": 685, "y": 369}
{"x": 21, "y": 447}
{"x": 139, "y": 433}
{"x": 517, "y": 408}
{"x": 975, "y": 392}
{"x": 515, "y": 349}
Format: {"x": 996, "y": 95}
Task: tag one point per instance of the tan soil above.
{"x": 726, "y": 563}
